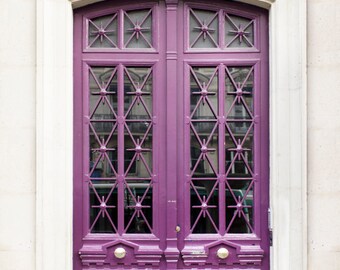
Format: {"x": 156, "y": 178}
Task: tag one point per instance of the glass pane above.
{"x": 239, "y": 143}
{"x": 103, "y": 207}
{"x": 203, "y": 29}
{"x": 138, "y": 206}
{"x": 138, "y": 154}
{"x": 103, "y": 93}
{"x": 204, "y": 89}
{"x": 103, "y": 150}
{"x": 204, "y": 149}
{"x": 204, "y": 206}
{"x": 239, "y": 32}
{"x": 239, "y": 206}
{"x": 138, "y": 29}
{"x": 239, "y": 93}
{"x": 138, "y": 93}
{"x": 103, "y": 32}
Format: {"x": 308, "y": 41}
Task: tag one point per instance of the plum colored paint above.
{"x": 171, "y": 158}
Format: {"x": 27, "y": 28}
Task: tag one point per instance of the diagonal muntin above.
{"x": 108, "y": 82}
{"x": 140, "y": 200}
{"x": 145, "y": 163}
{"x": 104, "y": 28}
{"x": 146, "y": 221}
{"x": 101, "y": 156}
{"x": 210, "y": 135}
{"x": 245, "y": 135}
{"x": 131, "y": 219}
{"x": 130, "y": 165}
{"x": 206, "y": 155}
{"x": 144, "y": 136}
{"x": 196, "y": 221}
{"x": 233, "y": 219}
{"x": 198, "y": 81}
{"x": 244, "y": 81}
{"x": 145, "y": 79}
{"x": 250, "y": 186}
{"x": 201, "y": 100}
{"x": 211, "y": 220}
{"x": 104, "y": 100}
{"x": 108, "y": 138}
{"x": 244, "y": 103}
{"x": 237, "y": 156}
{"x": 237, "y": 35}
{"x": 201, "y": 25}
{"x": 138, "y": 97}
{"x": 103, "y": 211}
{"x": 140, "y": 24}
{"x": 209, "y": 195}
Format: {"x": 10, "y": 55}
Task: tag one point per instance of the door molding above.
{"x": 54, "y": 132}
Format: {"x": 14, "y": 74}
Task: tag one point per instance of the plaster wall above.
{"x": 17, "y": 134}
{"x": 323, "y": 134}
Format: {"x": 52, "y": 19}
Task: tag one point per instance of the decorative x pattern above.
{"x": 204, "y": 206}
{"x": 204, "y": 93}
{"x": 138, "y": 28}
{"x": 239, "y": 31}
{"x": 204, "y": 28}
{"x": 138, "y": 207}
{"x": 239, "y": 206}
{"x": 102, "y": 32}
{"x": 103, "y": 206}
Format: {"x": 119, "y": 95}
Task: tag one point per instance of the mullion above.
{"x": 120, "y": 158}
{"x": 221, "y": 152}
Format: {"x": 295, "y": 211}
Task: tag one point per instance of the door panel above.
{"x": 171, "y": 170}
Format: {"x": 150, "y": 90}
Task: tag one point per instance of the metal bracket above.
{"x": 270, "y": 228}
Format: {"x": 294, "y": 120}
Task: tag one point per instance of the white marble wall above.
{"x": 17, "y": 135}
{"x": 324, "y": 134}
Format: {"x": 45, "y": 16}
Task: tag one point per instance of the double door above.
{"x": 171, "y": 136}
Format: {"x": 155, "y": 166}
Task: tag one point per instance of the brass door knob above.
{"x": 120, "y": 253}
{"x": 222, "y": 253}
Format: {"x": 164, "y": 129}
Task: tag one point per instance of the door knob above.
{"x": 178, "y": 229}
{"x": 120, "y": 253}
{"x": 222, "y": 253}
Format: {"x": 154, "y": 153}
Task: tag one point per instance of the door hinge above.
{"x": 270, "y": 227}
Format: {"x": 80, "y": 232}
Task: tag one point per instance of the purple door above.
{"x": 171, "y": 136}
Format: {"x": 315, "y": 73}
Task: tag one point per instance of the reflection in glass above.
{"x": 103, "y": 207}
{"x": 239, "y": 93}
{"x": 239, "y": 32}
{"x": 204, "y": 149}
{"x": 203, "y": 29}
{"x": 103, "y": 32}
{"x": 138, "y": 29}
{"x": 138, "y": 93}
{"x": 204, "y": 206}
{"x": 138, "y": 206}
{"x": 204, "y": 88}
{"x": 103, "y": 79}
{"x": 239, "y": 210}
{"x": 103, "y": 164}
{"x": 138, "y": 164}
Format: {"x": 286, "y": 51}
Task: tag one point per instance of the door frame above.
{"x": 288, "y": 119}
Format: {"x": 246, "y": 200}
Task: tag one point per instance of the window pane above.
{"x": 239, "y": 32}
{"x": 138, "y": 29}
{"x": 204, "y": 206}
{"x": 203, "y": 29}
{"x": 103, "y": 32}
{"x": 138, "y": 206}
